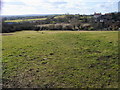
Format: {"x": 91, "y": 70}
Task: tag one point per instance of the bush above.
{"x": 37, "y": 28}
{"x": 51, "y": 27}
{"x": 44, "y": 28}
{"x": 68, "y": 27}
{"x": 58, "y": 27}
{"x": 90, "y": 28}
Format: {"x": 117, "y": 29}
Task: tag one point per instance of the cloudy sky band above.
{"x": 20, "y": 7}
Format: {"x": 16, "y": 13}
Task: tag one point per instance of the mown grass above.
{"x": 61, "y": 59}
{"x": 24, "y": 20}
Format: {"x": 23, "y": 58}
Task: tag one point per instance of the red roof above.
{"x": 97, "y": 14}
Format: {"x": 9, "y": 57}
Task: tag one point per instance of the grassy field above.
{"x": 23, "y": 20}
{"x": 61, "y": 16}
{"x": 60, "y": 59}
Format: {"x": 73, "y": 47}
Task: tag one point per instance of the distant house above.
{"x": 105, "y": 18}
{"x": 96, "y": 15}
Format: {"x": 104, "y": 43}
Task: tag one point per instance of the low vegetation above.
{"x": 60, "y": 59}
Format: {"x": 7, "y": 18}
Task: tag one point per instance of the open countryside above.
{"x": 60, "y": 44}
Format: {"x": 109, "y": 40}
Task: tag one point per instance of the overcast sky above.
{"x": 21, "y": 7}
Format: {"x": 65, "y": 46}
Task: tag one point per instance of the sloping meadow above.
{"x": 60, "y": 59}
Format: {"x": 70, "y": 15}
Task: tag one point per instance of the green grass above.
{"x": 22, "y": 20}
{"x": 61, "y": 16}
{"x": 60, "y": 59}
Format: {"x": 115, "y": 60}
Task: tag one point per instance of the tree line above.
{"x": 68, "y": 22}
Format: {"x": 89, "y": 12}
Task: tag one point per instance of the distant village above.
{"x": 112, "y": 19}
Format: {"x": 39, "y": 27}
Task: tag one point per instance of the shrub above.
{"x": 58, "y": 27}
{"x": 68, "y": 27}
{"x": 51, "y": 27}
{"x": 90, "y": 28}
